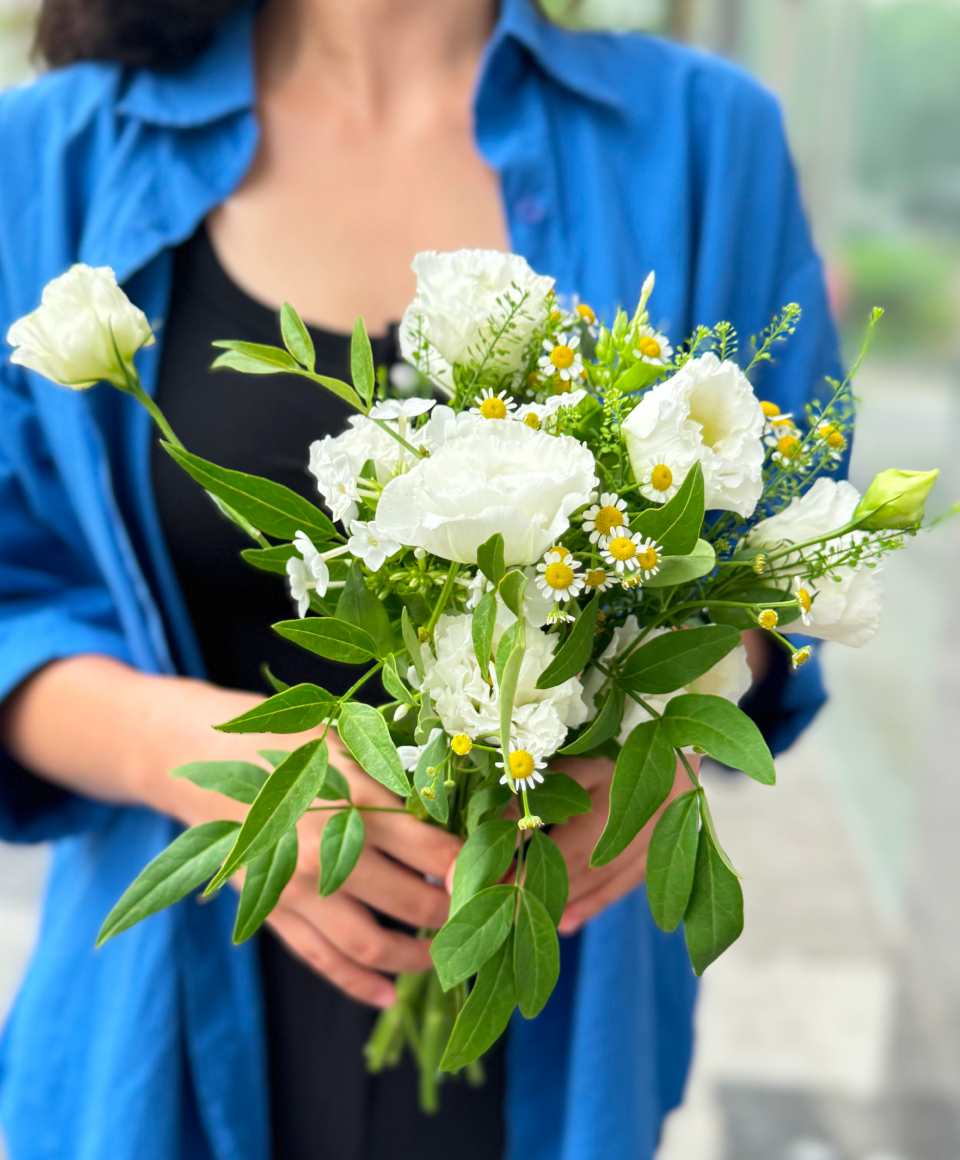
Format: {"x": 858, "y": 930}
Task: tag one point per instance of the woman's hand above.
{"x": 593, "y": 890}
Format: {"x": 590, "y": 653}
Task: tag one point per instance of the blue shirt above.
{"x": 616, "y": 155}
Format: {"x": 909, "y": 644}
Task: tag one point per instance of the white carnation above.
{"x": 729, "y": 678}
{"x": 466, "y": 703}
{"x": 494, "y": 476}
{"x": 336, "y": 462}
{"x": 462, "y": 300}
{"x": 708, "y": 412}
{"x": 83, "y": 323}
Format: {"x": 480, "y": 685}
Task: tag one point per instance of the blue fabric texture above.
{"x": 617, "y": 155}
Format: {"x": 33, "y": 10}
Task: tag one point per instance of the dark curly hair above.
{"x": 157, "y": 33}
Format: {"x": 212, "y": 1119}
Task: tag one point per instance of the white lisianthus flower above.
{"x": 493, "y": 476}
{"x": 708, "y": 412}
{"x": 306, "y": 573}
{"x": 729, "y": 678}
{"x": 84, "y": 322}
{"x": 369, "y": 543}
{"x": 845, "y": 605}
{"x": 462, "y": 300}
{"x": 466, "y": 703}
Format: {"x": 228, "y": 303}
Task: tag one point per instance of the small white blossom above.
{"x": 410, "y": 754}
{"x": 543, "y": 412}
{"x": 562, "y": 359}
{"x": 558, "y": 575}
{"x": 307, "y": 574}
{"x": 653, "y": 348}
{"x": 606, "y": 518}
{"x": 371, "y": 544}
{"x": 401, "y": 408}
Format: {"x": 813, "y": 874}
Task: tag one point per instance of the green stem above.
{"x": 444, "y": 596}
{"x": 367, "y": 809}
{"x": 156, "y": 414}
{"x": 399, "y": 438}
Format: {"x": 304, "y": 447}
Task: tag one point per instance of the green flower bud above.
{"x": 895, "y": 499}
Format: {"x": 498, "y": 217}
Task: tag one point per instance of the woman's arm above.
{"x": 96, "y": 726}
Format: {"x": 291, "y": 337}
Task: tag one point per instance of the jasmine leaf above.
{"x": 536, "y": 955}
{"x": 511, "y": 589}
{"x": 671, "y": 860}
{"x": 341, "y": 844}
{"x": 335, "y": 787}
{"x": 411, "y": 641}
{"x": 508, "y": 692}
{"x": 490, "y": 559}
{"x": 486, "y": 1013}
{"x": 470, "y": 937}
{"x": 714, "y": 917}
{"x": 484, "y": 859}
{"x": 336, "y": 387}
{"x": 486, "y": 804}
{"x": 253, "y": 358}
{"x": 575, "y": 652}
{"x": 642, "y": 779}
{"x": 545, "y": 874}
{"x": 296, "y": 337}
{"x": 275, "y": 756}
{"x": 719, "y": 728}
{"x": 483, "y": 624}
{"x": 275, "y": 683}
{"x": 684, "y": 569}
{"x": 184, "y": 865}
{"x": 337, "y": 640}
{"x": 240, "y": 780}
{"x": 361, "y": 363}
{"x": 667, "y": 663}
{"x": 359, "y": 606}
{"x": 676, "y": 525}
{"x": 605, "y": 725}
{"x": 437, "y": 807}
{"x": 559, "y": 798}
{"x": 265, "y": 880}
{"x": 393, "y": 684}
{"x": 292, "y": 711}
{"x": 270, "y": 559}
{"x": 365, "y": 734}
{"x": 508, "y": 642}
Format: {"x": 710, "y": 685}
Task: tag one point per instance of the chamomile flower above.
{"x": 621, "y": 551}
{"x": 597, "y": 580}
{"x": 525, "y": 769}
{"x": 561, "y": 358}
{"x": 493, "y": 406}
{"x": 805, "y": 599}
{"x": 606, "y": 518}
{"x": 536, "y": 414}
{"x": 659, "y": 481}
{"x": 652, "y": 347}
{"x": 834, "y": 439}
{"x": 788, "y": 451}
{"x": 783, "y": 435}
{"x": 558, "y": 575}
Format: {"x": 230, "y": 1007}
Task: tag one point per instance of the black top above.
{"x": 325, "y": 1106}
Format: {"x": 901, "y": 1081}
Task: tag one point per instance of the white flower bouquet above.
{"x": 557, "y": 559}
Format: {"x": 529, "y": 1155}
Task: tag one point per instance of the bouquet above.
{"x": 550, "y": 545}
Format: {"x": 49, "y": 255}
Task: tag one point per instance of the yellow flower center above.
{"x": 770, "y": 409}
{"x": 804, "y": 597}
{"x": 595, "y": 577}
{"x": 521, "y": 764}
{"x": 562, "y": 357}
{"x": 648, "y": 558}
{"x": 649, "y": 347}
{"x": 788, "y": 445}
{"x": 661, "y": 477}
{"x": 622, "y": 549}
{"x": 586, "y": 314}
{"x": 532, "y": 379}
{"x": 767, "y": 618}
{"x": 555, "y": 315}
{"x": 800, "y": 657}
{"x": 559, "y": 386}
{"x": 461, "y": 745}
{"x": 558, "y": 576}
{"x": 832, "y": 437}
{"x": 607, "y": 519}
{"x": 532, "y": 421}
{"x": 493, "y": 409}
{"x": 562, "y": 552}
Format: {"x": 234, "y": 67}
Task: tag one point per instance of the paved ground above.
{"x": 832, "y": 1030}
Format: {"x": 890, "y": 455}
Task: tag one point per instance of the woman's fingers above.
{"x": 418, "y": 845}
{"x": 626, "y": 874}
{"x": 394, "y": 890}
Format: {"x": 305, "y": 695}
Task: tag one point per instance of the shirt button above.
{"x": 529, "y": 210}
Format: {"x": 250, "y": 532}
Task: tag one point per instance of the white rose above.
{"x": 495, "y": 476}
{"x": 462, "y": 299}
{"x": 83, "y": 323}
{"x": 845, "y": 605}
{"x": 707, "y": 412}
{"x": 466, "y": 703}
{"x": 729, "y": 677}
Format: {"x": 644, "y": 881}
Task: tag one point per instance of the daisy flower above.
{"x": 622, "y": 551}
{"x": 493, "y": 406}
{"x": 525, "y": 770}
{"x": 658, "y": 481}
{"x": 805, "y": 599}
{"x": 649, "y": 555}
{"x": 653, "y": 348}
{"x": 561, "y": 358}
{"x": 371, "y": 545}
{"x": 605, "y": 518}
{"x": 536, "y": 414}
{"x": 834, "y": 440}
{"x": 597, "y": 580}
{"x": 558, "y": 575}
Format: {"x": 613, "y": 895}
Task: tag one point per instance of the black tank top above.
{"x": 324, "y": 1104}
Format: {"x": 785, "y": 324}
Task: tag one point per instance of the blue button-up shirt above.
{"x": 616, "y": 155}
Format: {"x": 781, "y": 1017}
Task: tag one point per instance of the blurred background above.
{"x": 831, "y": 1031}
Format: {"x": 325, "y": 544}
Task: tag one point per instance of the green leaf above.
{"x": 365, "y": 734}
{"x": 559, "y": 798}
{"x": 331, "y": 638}
{"x": 675, "y": 570}
{"x": 760, "y": 598}
{"x": 642, "y": 779}
{"x": 271, "y": 559}
{"x": 484, "y": 859}
{"x": 671, "y": 860}
{"x": 340, "y": 846}
{"x": 536, "y": 955}
{"x": 486, "y": 1013}
{"x": 276, "y": 756}
{"x": 412, "y": 642}
{"x": 604, "y": 726}
{"x": 719, "y": 728}
{"x": 486, "y": 804}
{"x": 483, "y": 624}
{"x": 676, "y": 525}
{"x": 427, "y": 720}
{"x": 668, "y": 662}
{"x": 253, "y": 358}
{"x": 575, "y": 652}
{"x": 707, "y": 819}
{"x": 511, "y": 589}
{"x": 275, "y": 683}
{"x": 508, "y": 642}
{"x": 284, "y": 799}
{"x": 336, "y": 387}
{"x": 240, "y": 780}
{"x": 296, "y": 337}
{"x": 393, "y": 684}
{"x": 508, "y": 692}
{"x": 714, "y": 918}
{"x": 184, "y": 865}
{"x": 490, "y": 559}
{"x": 360, "y": 607}
{"x": 269, "y": 506}
{"x": 437, "y": 807}
{"x": 546, "y": 874}
{"x": 335, "y": 787}
{"x": 292, "y": 711}
{"x": 361, "y": 363}
{"x": 640, "y": 375}
{"x": 265, "y": 880}
{"x": 469, "y": 937}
